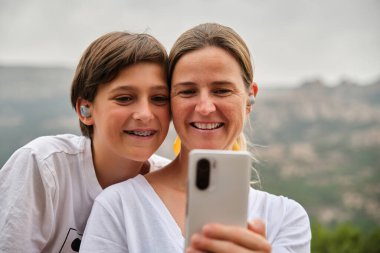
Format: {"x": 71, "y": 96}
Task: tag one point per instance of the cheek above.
{"x": 163, "y": 115}
{"x": 102, "y": 115}
{"x": 178, "y": 117}
{"x": 117, "y": 114}
{"x": 177, "y": 108}
{"x": 235, "y": 112}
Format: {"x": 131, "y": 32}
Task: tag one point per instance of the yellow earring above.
{"x": 177, "y": 145}
{"x": 236, "y": 146}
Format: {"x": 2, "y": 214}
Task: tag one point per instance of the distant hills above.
{"x": 319, "y": 145}
{"x": 34, "y": 101}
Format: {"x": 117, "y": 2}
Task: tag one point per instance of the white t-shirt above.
{"x": 47, "y": 189}
{"x": 130, "y": 217}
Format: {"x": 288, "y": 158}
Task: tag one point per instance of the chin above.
{"x": 208, "y": 146}
{"x": 139, "y": 156}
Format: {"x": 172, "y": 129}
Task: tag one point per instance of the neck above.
{"x": 114, "y": 169}
{"x": 180, "y": 168}
{"x": 172, "y": 176}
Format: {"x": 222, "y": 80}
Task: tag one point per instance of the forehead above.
{"x": 206, "y": 55}
{"x": 135, "y": 70}
{"x": 138, "y": 76}
{"x": 209, "y": 63}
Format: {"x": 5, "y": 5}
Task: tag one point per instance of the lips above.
{"x": 206, "y": 126}
{"x": 141, "y": 133}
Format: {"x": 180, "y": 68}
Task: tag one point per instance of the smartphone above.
{"x": 218, "y": 187}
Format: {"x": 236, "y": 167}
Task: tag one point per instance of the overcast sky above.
{"x": 291, "y": 40}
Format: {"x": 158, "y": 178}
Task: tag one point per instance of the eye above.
{"x": 124, "y": 99}
{"x": 160, "y": 99}
{"x": 187, "y": 92}
{"x": 222, "y": 92}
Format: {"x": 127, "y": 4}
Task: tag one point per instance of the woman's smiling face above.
{"x": 208, "y": 99}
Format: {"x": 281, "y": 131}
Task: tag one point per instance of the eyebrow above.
{"x": 221, "y": 82}
{"x": 132, "y": 88}
{"x": 184, "y": 84}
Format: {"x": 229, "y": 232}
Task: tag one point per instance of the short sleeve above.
{"x": 27, "y": 190}
{"x": 294, "y": 236}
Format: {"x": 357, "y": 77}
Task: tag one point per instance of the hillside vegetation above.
{"x": 321, "y": 146}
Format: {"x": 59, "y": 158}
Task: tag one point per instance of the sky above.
{"x": 291, "y": 41}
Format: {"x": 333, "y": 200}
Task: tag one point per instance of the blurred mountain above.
{"x": 321, "y": 146}
{"x": 317, "y": 144}
{"x": 34, "y": 101}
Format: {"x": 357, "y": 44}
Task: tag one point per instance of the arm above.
{"x": 26, "y": 200}
{"x": 222, "y": 238}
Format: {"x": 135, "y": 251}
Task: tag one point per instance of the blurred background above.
{"x": 315, "y": 126}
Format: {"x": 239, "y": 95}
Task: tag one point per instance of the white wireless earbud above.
{"x": 85, "y": 111}
{"x": 252, "y": 99}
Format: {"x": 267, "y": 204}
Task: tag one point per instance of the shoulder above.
{"x": 47, "y": 155}
{"x": 278, "y": 201}
{"x": 47, "y": 145}
{"x": 280, "y": 207}
{"x": 158, "y": 162}
{"x": 40, "y": 149}
{"x": 287, "y": 221}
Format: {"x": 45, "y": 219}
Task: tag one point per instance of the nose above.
{"x": 205, "y": 105}
{"x": 143, "y": 112}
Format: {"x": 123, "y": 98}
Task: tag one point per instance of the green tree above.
{"x": 344, "y": 238}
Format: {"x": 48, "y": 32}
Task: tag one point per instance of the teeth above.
{"x": 141, "y": 133}
{"x": 207, "y": 126}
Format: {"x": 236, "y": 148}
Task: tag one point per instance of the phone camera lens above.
{"x": 203, "y": 174}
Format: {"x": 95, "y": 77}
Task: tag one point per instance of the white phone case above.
{"x": 225, "y": 200}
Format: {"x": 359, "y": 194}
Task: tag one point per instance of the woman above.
{"x": 211, "y": 79}
{"x": 121, "y": 97}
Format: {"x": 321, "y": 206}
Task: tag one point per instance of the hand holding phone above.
{"x": 218, "y": 187}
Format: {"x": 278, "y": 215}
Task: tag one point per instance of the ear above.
{"x": 85, "y": 120}
{"x": 252, "y": 91}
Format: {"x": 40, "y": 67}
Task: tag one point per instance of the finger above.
{"x": 204, "y": 244}
{"x": 193, "y": 250}
{"x": 193, "y": 244}
{"x": 237, "y": 235}
{"x": 257, "y": 226}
